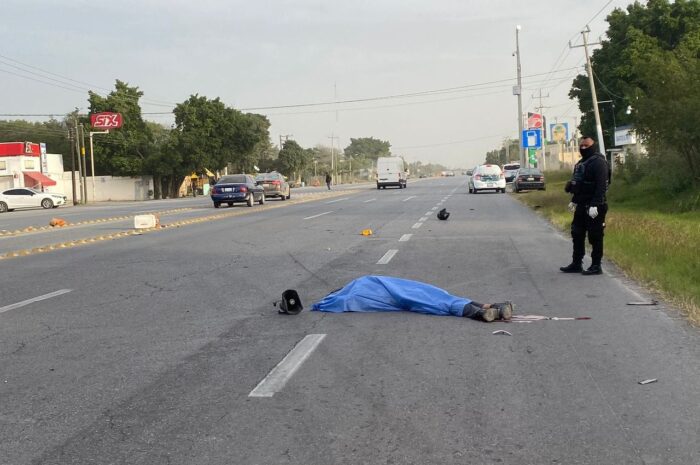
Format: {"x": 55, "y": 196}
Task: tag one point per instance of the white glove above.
{"x": 593, "y": 212}
{"x": 571, "y": 207}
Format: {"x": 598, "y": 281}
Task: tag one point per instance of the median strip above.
{"x": 176, "y": 224}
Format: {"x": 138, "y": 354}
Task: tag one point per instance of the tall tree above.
{"x": 649, "y": 62}
{"x": 124, "y": 151}
{"x": 294, "y": 159}
{"x": 368, "y": 147}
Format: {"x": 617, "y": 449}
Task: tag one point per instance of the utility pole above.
{"x": 72, "y": 138}
{"x": 92, "y": 160}
{"x": 333, "y": 163}
{"x": 77, "y": 154}
{"x": 591, "y": 80}
{"x": 84, "y": 162}
{"x": 544, "y": 129}
{"x": 518, "y": 90}
{"x": 285, "y": 137}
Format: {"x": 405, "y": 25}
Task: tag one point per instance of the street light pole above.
{"x": 518, "y": 90}
{"x": 92, "y": 160}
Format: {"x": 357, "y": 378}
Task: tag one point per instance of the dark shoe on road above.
{"x": 504, "y": 309}
{"x": 571, "y": 268}
{"x": 593, "y": 269}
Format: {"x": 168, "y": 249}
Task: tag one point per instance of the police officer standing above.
{"x": 588, "y": 186}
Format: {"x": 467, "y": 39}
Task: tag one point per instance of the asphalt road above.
{"x": 152, "y": 350}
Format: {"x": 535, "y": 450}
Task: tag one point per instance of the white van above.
{"x": 391, "y": 172}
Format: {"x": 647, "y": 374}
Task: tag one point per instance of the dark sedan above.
{"x": 528, "y": 179}
{"x": 274, "y": 184}
{"x": 237, "y": 188}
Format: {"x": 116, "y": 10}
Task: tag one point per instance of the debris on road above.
{"x": 145, "y": 221}
{"x": 367, "y": 232}
{"x": 57, "y": 222}
{"x": 290, "y": 303}
{"x": 644, "y": 302}
{"x": 443, "y": 214}
{"x": 648, "y": 381}
{"x": 530, "y": 318}
{"x": 502, "y": 331}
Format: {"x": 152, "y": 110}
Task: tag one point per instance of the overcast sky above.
{"x": 274, "y": 53}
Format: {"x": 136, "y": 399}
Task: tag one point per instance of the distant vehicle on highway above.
{"x": 528, "y": 178}
{"x": 391, "y": 171}
{"x": 29, "y": 198}
{"x": 274, "y": 185}
{"x": 236, "y": 188}
{"x": 487, "y": 177}
{"x": 509, "y": 170}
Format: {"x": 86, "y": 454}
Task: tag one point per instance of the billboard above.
{"x": 559, "y": 132}
{"x": 106, "y": 120}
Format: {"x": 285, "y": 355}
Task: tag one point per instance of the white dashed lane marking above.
{"x": 409, "y": 198}
{"x": 417, "y": 225}
{"x": 423, "y": 219}
{"x": 337, "y": 200}
{"x": 370, "y": 200}
{"x": 387, "y": 257}
{"x": 7, "y": 308}
{"x": 405, "y": 237}
{"x": 278, "y": 377}
{"x": 316, "y": 216}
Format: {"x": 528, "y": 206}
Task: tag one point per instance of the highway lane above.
{"x": 20, "y": 219}
{"x": 151, "y": 356}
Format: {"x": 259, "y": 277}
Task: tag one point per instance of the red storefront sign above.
{"x": 15, "y": 149}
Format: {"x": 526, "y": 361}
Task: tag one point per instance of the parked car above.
{"x": 28, "y": 198}
{"x": 487, "y": 177}
{"x": 274, "y": 185}
{"x": 528, "y": 178}
{"x": 509, "y": 170}
{"x": 237, "y": 188}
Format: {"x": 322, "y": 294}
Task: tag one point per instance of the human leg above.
{"x": 596, "y": 231}
{"x": 578, "y": 238}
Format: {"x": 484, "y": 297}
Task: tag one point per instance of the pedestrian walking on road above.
{"x": 588, "y": 186}
{"x": 328, "y": 180}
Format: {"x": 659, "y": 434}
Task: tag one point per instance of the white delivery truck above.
{"x": 391, "y": 171}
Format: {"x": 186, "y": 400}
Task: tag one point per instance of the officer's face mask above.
{"x": 586, "y": 150}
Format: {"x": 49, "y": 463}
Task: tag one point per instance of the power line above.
{"x": 447, "y": 143}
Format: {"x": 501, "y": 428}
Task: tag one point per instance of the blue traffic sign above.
{"x": 532, "y": 138}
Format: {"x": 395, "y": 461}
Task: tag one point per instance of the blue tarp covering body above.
{"x": 387, "y": 294}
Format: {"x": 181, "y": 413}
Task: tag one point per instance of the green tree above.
{"x": 649, "y": 62}
{"x": 124, "y": 151}
{"x": 294, "y": 159}
{"x": 368, "y": 147}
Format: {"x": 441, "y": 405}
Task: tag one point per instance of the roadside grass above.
{"x": 652, "y": 236}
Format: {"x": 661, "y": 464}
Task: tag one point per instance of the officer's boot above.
{"x": 573, "y": 267}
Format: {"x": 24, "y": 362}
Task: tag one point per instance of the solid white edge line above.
{"x": 417, "y": 225}
{"x": 285, "y": 369}
{"x": 7, "y": 308}
{"x": 387, "y": 257}
{"x": 405, "y": 237}
{"x": 337, "y": 200}
{"x": 316, "y": 216}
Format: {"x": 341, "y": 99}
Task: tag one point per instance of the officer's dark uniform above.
{"x": 588, "y": 186}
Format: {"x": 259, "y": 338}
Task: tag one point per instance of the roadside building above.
{"x": 26, "y": 164}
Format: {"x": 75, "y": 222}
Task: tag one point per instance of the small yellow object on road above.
{"x": 367, "y": 232}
